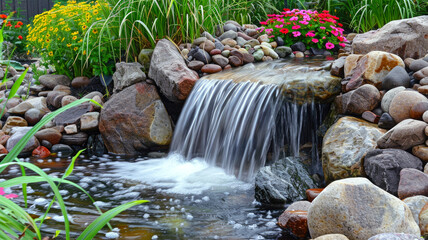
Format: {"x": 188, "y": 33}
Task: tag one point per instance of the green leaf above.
{"x": 95, "y": 226}
{"x": 15, "y": 64}
{"x": 71, "y": 166}
{"x": 17, "y": 84}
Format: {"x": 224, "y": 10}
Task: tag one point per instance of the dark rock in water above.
{"x": 78, "y": 139}
{"x": 96, "y": 145}
{"x": 316, "y": 51}
{"x": 203, "y": 56}
{"x": 72, "y": 115}
{"x": 283, "y": 182}
{"x": 383, "y": 167}
{"x": 283, "y": 51}
{"x": 386, "y": 121}
{"x": 62, "y": 149}
{"x": 395, "y": 236}
{"x": 46, "y": 144}
{"x": 298, "y": 46}
{"x": 395, "y": 78}
{"x": 280, "y": 41}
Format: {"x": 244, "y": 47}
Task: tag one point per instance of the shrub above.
{"x": 318, "y": 30}
{"x": 58, "y": 36}
{"x": 13, "y": 32}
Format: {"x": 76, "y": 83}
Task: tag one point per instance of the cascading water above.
{"x": 242, "y": 119}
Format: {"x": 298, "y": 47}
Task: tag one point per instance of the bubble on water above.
{"x": 227, "y": 193}
{"x": 86, "y": 180}
{"x": 57, "y": 159}
{"x": 198, "y": 201}
{"x": 183, "y": 209}
{"x": 146, "y": 215}
{"x": 189, "y": 217}
{"x": 40, "y": 160}
{"x": 206, "y": 198}
{"x": 155, "y": 237}
{"x": 216, "y": 237}
{"x": 49, "y": 160}
{"x": 84, "y": 185}
{"x": 271, "y": 224}
{"x": 115, "y": 230}
{"x": 102, "y": 204}
{"x": 251, "y": 215}
{"x": 252, "y": 227}
{"x": 269, "y": 215}
{"x": 93, "y": 189}
{"x": 156, "y": 207}
{"x": 255, "y": 203}
{"x": 237, "y": 226}
{"x": 177, "y": 201}
{"x": 172, "y": 209}
{"x": 63, "y": 192}
{"x": 112, "y": 235}
{"x": 231, "y": 222}
{"x": 118, "y": 185}
{"x": 61, "y": 218}
{"x": 40, "y": 201}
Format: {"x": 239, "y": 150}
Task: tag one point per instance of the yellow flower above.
{"x": 68, "y": 44}
{"x": 51, "y": 29}
{"x": 51, "y": 53}
{"x": 75, "y": 33}
{"x": 84, "y": 27}
{"x": 28, "y": 52}
{"x": 84, "y": 52}
{"x": 74, "y": 37}
{"x": 94, "y": 31}
{"x": 75, "y": 48}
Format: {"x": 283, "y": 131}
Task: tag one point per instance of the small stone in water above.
{"x": 155, "y": 237}
{"x": 270, "y": 224}
{"x": 237, "y": 226}
{"x": 146, "y": 215}
{"x": 251, "y": 215}
{"x": 189, "y": 217}
{"x": 206, "y": 198}
{"x": 112, "y": 235}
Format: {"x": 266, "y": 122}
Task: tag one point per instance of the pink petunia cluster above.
{"x": 8, "y": 195}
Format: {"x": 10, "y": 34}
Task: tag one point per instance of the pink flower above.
{"x": 268, "y": 30}
{"x": 296, "y": 34}
{"x": 263, "y": 23}
{"x": 295, "y": 18}
{"x": 323, "y": 28}
{"x": 7, "y": 196}
{"x": 279, "y": 26}
{"x": 310, "y": 34}
{"x": 329, "y": 45}
{"x": 342, "y": 44}
{"x": 304, "y": 22}
{"x": 315, "y": 40}
{"x": 335, "y": 33}
{"x": 295, "y": 27}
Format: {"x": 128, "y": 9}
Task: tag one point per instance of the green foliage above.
{"x": 14, "y": 32}
{"x": 365, "y": 15}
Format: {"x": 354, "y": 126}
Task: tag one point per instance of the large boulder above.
{"x": 134, "y": 120}
{"x": 383, "y": 167}
{"x": 404, "y": 135}
{"x": 407, "y": 38}
{"x": 358, "y": 209}
{"x": 345, "y": 145}
{"x": 170, "y": 72}
{"x": 372, "y": 68}
{"x": 402, "y": 103}
{"x": 127, "y": 74}
{"x": 364, "y": 98}
{"x": 284, "y": 181}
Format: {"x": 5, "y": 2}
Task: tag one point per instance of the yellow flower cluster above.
{"x": 59, "y": 33}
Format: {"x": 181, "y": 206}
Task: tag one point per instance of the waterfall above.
{"x": 241, "y": 124}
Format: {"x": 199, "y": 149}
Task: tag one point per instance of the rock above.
{"x": 403, "y": 102}
{"x": 273, "y": 44}
{"x": 332, "y": 237}
{"x": 344, "y": 146}
{"x": 423, "y": 220}
{"x": 386, "y": 121}
{"x": 299, "y": 55}
{"x": 283, "y": 51}
{"x": 240, "y": 41}
{"x": 208, "y": 46}
{"x": 70, "y": 129}
{"x": 405, "y": 38}
{"x": 72, "y": 115}
{"x": 203, "y": 56}
{"x": 253, "y": 42}
{"x": 298, "y": 46}
{"x": 229, "y": 42}
{"x": 41, "y": 152}
{"x": 258, "y": 55}
{"x": 54, "y": 98}
{"x": 228, "y": 34}
{"x": 215, "y": 52}
{"x": 67, "y": 100}
{"x": 387, "y": 98}
{"x": 50, "y": 81}
{"x": 198, "y": 41}
{"x": 196, "y": 65}
{"x": 358, "y": 209}
{"x": 395, "y": 236}
{"x": 364, "y": 98}
{"x": 211, "y": 68}
{"x": 208, "y": 36}
{"x": 351, "y": 63}
{"x": 284, "y": 181}
{"x": 422, "y": 89}
{"x": 32, "y": 144}
{"x": 79, "y": 82}
{"x": 416, "y": 203}
{"x": 370, "y": 117}
{"x": 37, "y": 102}
{"x": 299, "y": 205}
{"x": 219, "y": 45}
{"x": 417, "y": 111}
{"x": 220, "y": 60}
{"x": 89, "y": 121}
{"x": 78, "y": 139}
{"x": 13, "y": 121}
{"x": 230, "y": 27}
{"x": 338, "y": 67}
{"x": 62, "y": 150}
{"x": 295, "y": 222}
{"x": 238, "y": 54}
{"x": 424, "y": 81}
{"x": 263, "y": 38}
{"x": 33, "y": 116}
{"x": 169, "y": 71}
{"x": 404, "y": 135}
{"x": 244, "y": 36}
{"x": 135, "y": 120}
{"x": 3, "y": 139}
{"x": 3, "y": 150}
{"x": 248, "y": 58}
{"x": 127, "y": 74}
{"x": 235, "y": 61}
{"x": 383, "y": 167}
{"x": 144, "y": 58}
{"x": 421, "y": 74}
{"x": 225, "y": 53}
{"x": 412, "y": 183}
{"x": 397, "y": 77}
{"x": 311, "y": 194}
{"x": 49, "y": 134}
{"x": 417, "y": 65}
{"x": 372, "y": 68}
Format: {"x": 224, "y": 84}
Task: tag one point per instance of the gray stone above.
{"x": 196, "y": 65}
{"x": 285, "y": 181}
{"x": 170, "y": 72}
{"x": 219, "y": 45}
{"x": 404, "y": 135}
{"x": 18, "y": 134}
{"x": 405, "y": 38}
{"x": 364, "y": 98}
{"x": 208, "y": 36}
{"x": 396, "y": 78}
{"x": 72, "y": 115}
{"x": 203, "y": 56}
{"x": 220, "y": 60}
{"x": 395, "y": 236}
{"x": 332, "y": 237}
{"x": 38, "y": 103}
{"x": 230, "y": 27}
{"x": 387, "y": 98}
{"x": 417, "y": 65}
{"x": 338, "y": 67}
{"x": 298, "y": 46}
{"x": 383, "y": 167}
{"x": 89, "y": 121}
{"x": 229, "y": 34}
{"x": 240, "y": 41}
{"x": 199, "y": 40}
{"x": 78, "y": 139}
{"x": 386, "y": 121}
{"x": 50, "y": 81}
{"x": 283, "y": 51}
{"x": 62, "y": 150}
{"x": 127, "y": 74}
{"x": 253, "y": 42}
{"x": 358, "y": 209}
{"x": 416, "y": 203}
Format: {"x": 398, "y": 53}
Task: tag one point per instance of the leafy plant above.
{"x": 365, "y": 15}
{"x": 59, "y": 34}
{"x": 318, "y": 30}
{"x": 13, "y": 33}
{"x": 37, "y": 73}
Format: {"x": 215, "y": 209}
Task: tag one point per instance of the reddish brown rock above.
{"x": 311, "y": 194}
{"x": 215, "y": 52}
{"x": 421, "y": 151}
{"x": 370, "y": 117}
{"x": 244, "y": 36}
{"x": 196, "y": 65}
{"x": 41, "y": 152}
{"x": 418, "y": 110}
{"x": 421, "y": 74}
{"x": 49, "y": 134}
{"x": 403, "y": 102}
{"x": 3, "y": 139}
{"x": 235, "y": 61}
{"x": 3, "y": 150}
{"x": 295, "y": 221}
{"x": 79, "y": 82}
{"x": 423, "y": 89}
{"x": 248, "y": 58}
{"x": 412, "y": 182}
{"x": 227, "y": 67}
{"x": 211, "y": 68}
{"x": 238, "y": 54}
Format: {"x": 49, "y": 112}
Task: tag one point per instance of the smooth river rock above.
{"x": 344, "y": 146}
{"x": 395, "y": 236}
{"x": 364, "y": 98}
{"x": 404, "y": 135}
{"x": 416, "y": 203}
{"x": 387, "y": 98}
{"x": 358, "y": 209}
{"x": 412, "y": 183}
{"x": 134, "y": 120}
{"x": 403, "y": 102}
